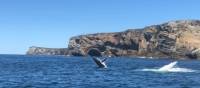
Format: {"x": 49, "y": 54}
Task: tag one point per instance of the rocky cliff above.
{"x": 180, "y": 39}
{"x": 47, "y": 51}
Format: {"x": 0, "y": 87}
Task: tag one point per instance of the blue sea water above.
{"x": 21, "y": 71}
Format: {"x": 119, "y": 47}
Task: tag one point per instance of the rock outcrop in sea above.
{"x": 178, "y": 39}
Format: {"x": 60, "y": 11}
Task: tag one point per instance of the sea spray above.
{"x": 168, "y": 66}
{"x": 172, "y": 67}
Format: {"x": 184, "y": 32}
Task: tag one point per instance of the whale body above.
{"x": 100, "y": 63}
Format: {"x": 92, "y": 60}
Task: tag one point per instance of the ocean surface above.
{"x": 21, "y": 71}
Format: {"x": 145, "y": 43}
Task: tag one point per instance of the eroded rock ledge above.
{"x": 180, "y": 39}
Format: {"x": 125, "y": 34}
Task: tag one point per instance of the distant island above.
{"x": 178, "y": 39}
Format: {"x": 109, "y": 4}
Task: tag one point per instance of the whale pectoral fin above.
{"x": 104, "y": 59}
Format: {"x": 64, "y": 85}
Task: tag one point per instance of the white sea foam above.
{"x": 172, "y": 67}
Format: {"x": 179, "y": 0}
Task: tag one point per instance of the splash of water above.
{"x": 168, "y": 67}
{"x": 172, "y": 67}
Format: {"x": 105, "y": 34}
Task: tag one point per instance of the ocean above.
{"x": 22, "y": 71}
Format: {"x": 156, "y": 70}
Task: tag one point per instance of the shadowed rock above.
{"x": 94, "y": 52}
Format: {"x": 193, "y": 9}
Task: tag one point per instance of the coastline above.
{"x": 179, "y": 39}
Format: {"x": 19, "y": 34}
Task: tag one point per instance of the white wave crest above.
{"x": 172, "y": 67}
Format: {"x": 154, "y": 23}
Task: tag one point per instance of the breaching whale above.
{"x": 100, "y": 63}
{"x": 96, "y": 55}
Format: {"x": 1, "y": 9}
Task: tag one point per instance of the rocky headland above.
{"x": 33, "y": 50}
{"x": 177, "y": 39}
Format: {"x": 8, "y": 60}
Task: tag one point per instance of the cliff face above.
{"x": 179, "y": 39}
{"x": 53, "y": 51}
{"x": 47, "y": 51}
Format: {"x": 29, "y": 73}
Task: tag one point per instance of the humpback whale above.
{"x": 96, "y": 55}
{"x": 100, "y": 63}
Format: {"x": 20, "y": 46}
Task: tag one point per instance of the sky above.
{"x": 51, "y": 23}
